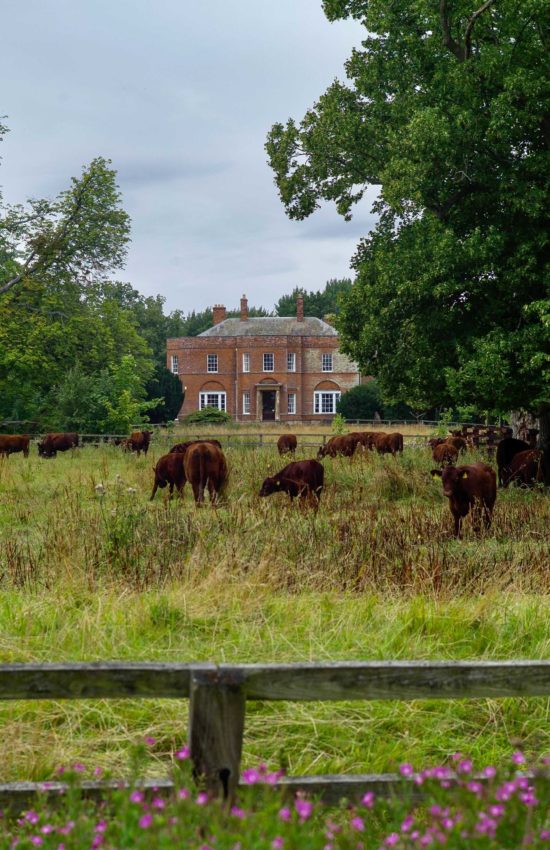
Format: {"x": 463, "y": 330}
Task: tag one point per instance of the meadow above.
{"x": 91, "y": 569}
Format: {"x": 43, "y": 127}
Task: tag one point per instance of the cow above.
{"x": 53, "y": 443}
{"x": 286, "y": 444}
{"x": 138, "y": 442}
{"x": 205, "y": 467}
{"x": 444, "y": 453}
{"x": 364, "y": 438}
{"x": 12, "y": 443}
{"x": 341, "y": 445}
{"x": 181, "y": 448}
{"x": 302, "y": 479}
{"x": 525, "y": 468}
{"x": 386, "y": 444}
{"x": 472, "y": 486}
{"x": 458, "y": 442}
{"x": 169, "y": 470}
{"x": 507, "y": 449}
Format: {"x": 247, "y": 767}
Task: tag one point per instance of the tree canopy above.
{"x": 323, "y": 302}
{"x": 445, "y": 109}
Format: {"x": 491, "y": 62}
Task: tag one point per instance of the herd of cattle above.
{"x": 470, "y": 487}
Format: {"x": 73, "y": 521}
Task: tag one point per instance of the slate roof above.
{"x": 271, "y": 326}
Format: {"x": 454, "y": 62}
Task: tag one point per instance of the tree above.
{"x": 166, "y": 386}
{"x": 324, "y": 302}
{"x": 83, "y": 233}
{"x": 446, "y": 109}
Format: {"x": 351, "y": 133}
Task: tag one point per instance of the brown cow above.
{"x": 138, "y": 442}
{"x": 444, "y": 453}
{"x": 388, "y": 443}
{"x": 507, "y": 449}
{"x": 53, "y": 443}
{"x": 12, "y": 443}
{"x": 205, "y": 467}
{"x": 364, "y": 438}
{"x": 180, "y": 448}
{"x": 525, "y": 468}
{"x": 286, "y": 444}
{"x": 472, "y": 486}
{"x": 169, "y": 470}
{"x": 303, "y": 479}
{"x": 341, "y": 445}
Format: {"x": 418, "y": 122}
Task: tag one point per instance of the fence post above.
{"x": 216, "y": 726}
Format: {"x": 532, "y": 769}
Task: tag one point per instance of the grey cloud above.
{"x": 141, "y": 172}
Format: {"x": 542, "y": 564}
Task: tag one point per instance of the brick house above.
{"x": 267, "y": 368}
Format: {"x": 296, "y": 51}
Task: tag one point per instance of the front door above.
{"x": 268, "y": 405}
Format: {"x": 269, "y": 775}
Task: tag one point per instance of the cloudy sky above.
{"x": 180, "y": 95}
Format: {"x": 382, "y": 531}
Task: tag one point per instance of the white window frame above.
{"x": 175, "y": 369}
{"x": 246, "y": 362}
{"x": 212, "y": 360}
{"x": 319, "y": 402}
{"x": 291, "y": 404}
{"x": 206, "y": 399}
{"x": 291, "y": 361}
{"x": 269, "y": 354}
{"x": 246, "y": 403}
{"x": 327, "y": 362}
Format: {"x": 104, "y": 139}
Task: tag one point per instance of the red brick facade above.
{"x": 245, "y": 386}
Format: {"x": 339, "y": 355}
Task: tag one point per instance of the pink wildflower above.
{"x": 238, "y": 813}
{"x": 46, "y": 829}
{"x": 407, "y": 823}
{"x": 145, "y": 821}
{"x": 202, "y": 798}
{"x": 304, "y": 808}
{"x": 158, "y": 803}
{"x": 284, "y": 814}
{"x": 358, "y": 824}
{"x": 183, "y": 794}
{"x": 32, "y": 817}
{"x": 98, "y": 771}
{"x": 182, "y": 754}
{"x": 464, "y": 766}
{"x": 250, "y": 776}
{"x": 101, "y": 826}
{"x": 406, "y": 769}
{"x": 136, "y": 797}
{"x": 489, "y": 772}
{"x": 150, "y": 741}
{"x": 277, "y": 843}
{"x": 518, "y": 757}
{"x": 36, "y": 839}
{"x": 392, "y": 839}
{"x": 79, "y": 768}
{"x": 368, "y": 799}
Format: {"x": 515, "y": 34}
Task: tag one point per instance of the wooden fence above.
{"x": 218, "y": 696}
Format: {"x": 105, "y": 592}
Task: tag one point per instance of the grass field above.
{"x": 373, "y": 574}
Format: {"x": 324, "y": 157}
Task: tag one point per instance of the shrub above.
{"x": 208, "y": 415}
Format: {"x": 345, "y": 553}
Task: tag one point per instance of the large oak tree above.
{"x": 446, "y": 109}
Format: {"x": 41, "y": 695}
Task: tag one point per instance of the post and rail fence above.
{"x": 218, "y": 695}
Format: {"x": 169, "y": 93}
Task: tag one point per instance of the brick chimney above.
{"x": 244, "y": 309}
{"x": 218, "y": 314}
{"x": 300, "y": 308}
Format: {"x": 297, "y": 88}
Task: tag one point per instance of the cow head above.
{"x": 322, "y": 452}
{"x": 451, "y": 478}
{"x": 42, "y": 451}
{"x": 270, "y": 485}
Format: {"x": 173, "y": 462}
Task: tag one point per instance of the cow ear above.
{"x": 436, "y": 473}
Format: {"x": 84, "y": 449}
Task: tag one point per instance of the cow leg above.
{"x": 155, "y": 488}
{"x": 458, "y": 525}
{"x": 171, "y": 489}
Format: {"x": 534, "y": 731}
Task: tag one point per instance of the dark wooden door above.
{"x": 268, "y": 405}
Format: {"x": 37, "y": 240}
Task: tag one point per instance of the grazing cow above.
{"x": 53, "y": 443}
{"x": 12, "y": 443}
{"x": 473, "y": 486}
{"x": 303, "y": 479}
{"x": 341, "y": 445}
{"x": 169, "y": 470}
{"x": 458, "y": 442}
{"x": 507, "y": 449}
{"x": 386, "y": 444}
{"x": 286, "y": 444}
{"x": 364, "y": 438}
{"x": 181, "y": 448}
{"x": 138, "y": 441}
{"x": 525, "y": 468}
{"x": 444, "y": 453}
{"x": 205, "y": 467}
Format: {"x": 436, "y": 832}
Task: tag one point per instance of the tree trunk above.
{"x": 544, "y": 441}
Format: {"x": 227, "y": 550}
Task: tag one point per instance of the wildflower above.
{"x": 238, "y": 813}
{"x": 407, "y": 823}
{"x": 150, "y": 741}
{"x": 68, "y": 828}
{"x": 182, "y": 754}
{"x": 518, "y": 757}
{"x": 475, "y": 787}
{"x": 98, "y": 771}
{"x": 37, "y": 840}
{"x": 277, "y": 843}
{"x": 357, "y": 824}
{"x": 158, "y": 803}
{"x": 250, "y": 776}
{"x": 529, "y": 798}
{"x": 32, "y": 817}
{"x": 183, "y": 794}
{"x": 392, "y": 839}
{"x": 464, "y": 766}
{"x": 304, "y": 809}
{"x": 202, "y": 798}
{"x": 79, "y": 768}
{"x": 145, "y": 821}
{"x": 46, "y": 829}
{"x": 489, "y": 772}
{"x": 284, "y": 814}
{"x": 496, "y": 811}
{"x": 136, "y": 797}
{"x": 406, "y": 769}
{"x": 368, "y": 799}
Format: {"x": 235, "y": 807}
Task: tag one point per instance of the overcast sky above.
{"x": 180, "y": 95}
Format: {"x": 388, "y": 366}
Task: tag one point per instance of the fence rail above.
{"x": 218, "y": 696}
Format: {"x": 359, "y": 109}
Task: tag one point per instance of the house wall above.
{"x": 192, "y": 355}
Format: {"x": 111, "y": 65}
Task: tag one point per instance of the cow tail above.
{"x": 202, "y": 477}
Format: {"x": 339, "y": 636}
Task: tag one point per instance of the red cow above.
{"x": 53, "y": 443}
{"x": 525, "y": 468}
{"x": 138, "y": 442}
{"x": 386, "y": 444}
{"x": 341, "y": 445}
{"x": 12, "y": 443}
{"x": 303, "y": 479}
{"x": 473, "y": 486}
{"x": 169, "y": 470}
{"x": 180, "y": 448}
{"x": 507, "y": 449}
{"x": 205, "y": 467}
{"x": 444, "y": 453}
{"x": 286, "y": 444}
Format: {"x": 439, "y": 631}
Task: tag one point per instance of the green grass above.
{"x": 373, "y": 575}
